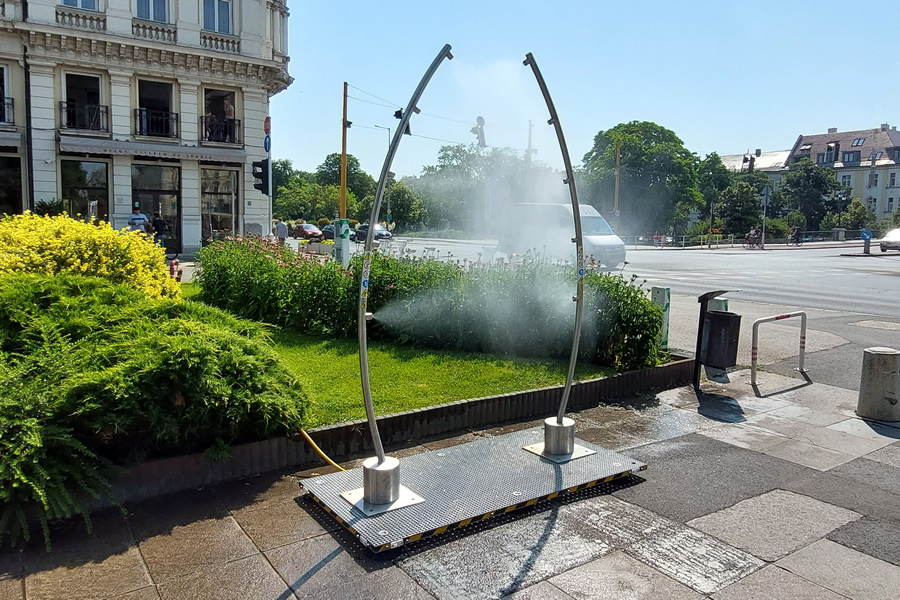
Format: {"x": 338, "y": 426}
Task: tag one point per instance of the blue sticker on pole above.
{"x": 365, "y": 283}
{"x": 581, "y": 272}
{"x": 267, "y": 144}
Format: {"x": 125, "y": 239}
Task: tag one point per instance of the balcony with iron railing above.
{"x": 7, "y": 116}
{"x": 220, "y": 131}
{"x": 155, "y": 31}
{"x": 84, "y": 117}
{"x": 155, "y": 123}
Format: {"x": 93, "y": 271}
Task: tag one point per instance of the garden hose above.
{"x": 319, "y": 451}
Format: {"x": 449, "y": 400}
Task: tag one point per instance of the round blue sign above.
{"x": 866, "y": 234}
{"x": 365, "y": 283}
{"x": 267, "y": 144}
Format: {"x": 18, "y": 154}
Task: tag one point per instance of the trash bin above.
{"x": 719, "y": 346}
{"x": 838, "y": 234}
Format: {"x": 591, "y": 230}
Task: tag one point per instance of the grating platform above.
{"x": 466, "y": 483}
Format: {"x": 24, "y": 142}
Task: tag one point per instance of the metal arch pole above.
{"x": 367, "y": 261}
{"x": 579, "y": 247}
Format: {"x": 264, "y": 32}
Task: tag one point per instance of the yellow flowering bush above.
{"x": 50, "y": 245}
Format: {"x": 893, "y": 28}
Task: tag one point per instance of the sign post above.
{"x": 866, "y": 235}
{"x": 661, "y": 297}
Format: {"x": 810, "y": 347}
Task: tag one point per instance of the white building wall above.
{"x": 43, "y": 133}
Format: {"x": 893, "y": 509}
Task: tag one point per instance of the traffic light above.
{"x": 261, "y": 174}
{"x": 398, "y": 114}
{"x": 478, "y": 130}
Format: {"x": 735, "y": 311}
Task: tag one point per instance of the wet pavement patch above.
{"x": 620, "y": 576}
{"x": 693, "y": 476}
{"x": 695, "y": 559}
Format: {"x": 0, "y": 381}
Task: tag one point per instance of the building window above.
{"x": 156, "y": 190}
{"x": 890, "y": 206}
{"x": 154, "y": 115}
{"x": 851, "y": 157}
{"x": 82, "y": 4}
{"x": 217, "y": 16}
{"x": 6, "y": 104}
{"x": 874, "y": 179}
{"x": 81, "y": 108}
{"x": 10, "y": 185}
{"x": 875, "y": 155}
{"x": 858, "y": 142}
{"x": 218, "y": 202}
{"x": 85, "y": 188}
{"x": 845, "y": 180}
{"x": 893, "y": 180}
{"x": 152, "y": 10}
{"x": 896, "y": 154}
{"x": 219, "y": 123}
{"x": 820, "y": 157}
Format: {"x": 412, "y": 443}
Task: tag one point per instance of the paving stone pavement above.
{"x": 772, "y": 491}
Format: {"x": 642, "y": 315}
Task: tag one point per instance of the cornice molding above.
{"x": 178, "y": 61}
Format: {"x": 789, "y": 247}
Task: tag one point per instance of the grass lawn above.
{"x": 189, "y": 290}
{"x": 406, "y": 378}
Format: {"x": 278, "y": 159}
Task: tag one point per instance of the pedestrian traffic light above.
{"x": 261, "y": 174}
{"x": 478, "y": 130}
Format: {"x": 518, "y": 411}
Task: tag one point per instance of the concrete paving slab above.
{"x": 81, "y": 563}
{"x": 251, "y": 577}
{"x": 694, "y": 558}
{"x": 807, "y": 394}
{"x": 622, "y": 577}
{"x": 889, "y": 455}
{"x": 842, "y": 442}
{"x": 867, "y": 429}
{"x": 275, "y": 525}
{"x": 616, "y": 523}
{"x": 808, "y": 455}
{"x": 863, "y": 498}
{"x": 693, "y": 476}
{"x": 809, "y": 416}
{"x": 871, "y": 472}
{"x": 618, "y": 429}
{"x": 743, "y": 436}
{"x": 761, "y": 405}
{"x": 257, "y": 492}
{"x": 780, "y": 425}
{"x": 147, "y": 593}
{"x": 322, "y": 568}
{"x": 774, "y": 582}
{"x": 541, "y": 591}
{"x": 774, "y": 524}
{"x": 880, "y": 539}
{"x": 845, "y": 571}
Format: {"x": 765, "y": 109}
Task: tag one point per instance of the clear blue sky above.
{"x": 725, "y": 76}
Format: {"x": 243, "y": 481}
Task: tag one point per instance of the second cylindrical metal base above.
{"x": 381, "y": 482}
{"x": 559, "y": 438}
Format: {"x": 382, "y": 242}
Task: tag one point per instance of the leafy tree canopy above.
{"x": 358, "y": 181}
{"x": 658, "y": 176}
{"x": 740, "y": 208}
{"x": 814, "y": 191}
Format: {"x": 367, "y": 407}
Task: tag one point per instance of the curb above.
{"x": 170, "y": 475}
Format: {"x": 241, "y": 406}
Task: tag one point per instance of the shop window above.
{"x": 219, "y": 202}
{"x": 10, "y": 185}
{"x": 85, "y": 188}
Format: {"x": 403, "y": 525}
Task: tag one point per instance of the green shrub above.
{"x": 323, "y": 222}
{"x": 523, "y": 311}
{"x": 99, "y": 371}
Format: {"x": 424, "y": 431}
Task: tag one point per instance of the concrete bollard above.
{"x": 879, "y": 388}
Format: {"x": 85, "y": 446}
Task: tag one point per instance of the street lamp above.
{"x": 387, "y": 188}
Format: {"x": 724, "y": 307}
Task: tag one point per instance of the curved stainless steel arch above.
{"x": 579, "y": 247}
{"x": 367, "y": 260}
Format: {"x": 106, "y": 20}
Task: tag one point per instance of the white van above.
{"x": 548, "y": 229}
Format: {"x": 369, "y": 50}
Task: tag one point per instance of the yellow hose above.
{"x": 319, "y": 451}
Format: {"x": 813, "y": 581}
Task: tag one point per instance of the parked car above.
{"x": 363, "y": 231}
{"x": 308, "y": 231}
{"x": 891, "y": 240}
{"x": 328, "y": 232}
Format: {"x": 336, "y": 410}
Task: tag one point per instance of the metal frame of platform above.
{"x": 467, "y": 483}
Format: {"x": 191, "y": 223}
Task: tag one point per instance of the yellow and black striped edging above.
{"x": 484, "y": 517}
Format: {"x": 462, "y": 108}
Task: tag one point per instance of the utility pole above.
{"x": 342, "y": 229}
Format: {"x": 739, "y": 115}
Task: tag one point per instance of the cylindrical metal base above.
{"x": 559, "y": 438}
{"x": 381, "y": 482}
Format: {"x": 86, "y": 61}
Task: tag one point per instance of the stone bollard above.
{"x": 879, "y": 388}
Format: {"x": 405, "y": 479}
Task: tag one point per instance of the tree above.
{"x": 658, "y": 177}
{"x": 358, "y": 181}
{"x": 740, "y": 208}
{"x": 814, "y": 191}
{"x": 311, "y": 201}
{"x": 856, "y": 216}
{"x": 713, "y": 178}
{"x": 406, "y": 208}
